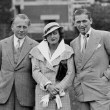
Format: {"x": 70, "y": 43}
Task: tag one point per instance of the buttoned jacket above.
{"x": 18, "y": 75}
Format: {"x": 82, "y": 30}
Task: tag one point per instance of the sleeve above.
{"x": 107, "y": 73}
{"x": 0, "y": 55}
{"x": 106, "y": 40}
{"x": 68, "y": 79}
{"x": 38, "y": 75}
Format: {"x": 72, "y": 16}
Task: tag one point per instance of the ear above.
{"x": 12, "y": 27}
{"x": 74, "y": 24}
{"x": 91, "y": 20}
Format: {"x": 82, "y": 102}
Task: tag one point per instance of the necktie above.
{"x": 85, "y": 43}
{"x": 17, "y": 51}
{"x": 18, "y": 45}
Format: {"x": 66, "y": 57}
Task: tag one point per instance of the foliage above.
{"x": 5, "y": 11}
{"x": 101, "y": 16}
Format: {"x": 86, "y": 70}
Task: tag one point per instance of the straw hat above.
{"x": 50, "y": 27}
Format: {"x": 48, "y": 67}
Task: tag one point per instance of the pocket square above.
{"x": 99, "y": 45}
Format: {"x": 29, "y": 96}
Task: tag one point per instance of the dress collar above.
{"x": 44, "y": 49}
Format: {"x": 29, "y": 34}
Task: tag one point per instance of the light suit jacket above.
{"x": 92, "y": 66}
{"x": 19, "y": 75}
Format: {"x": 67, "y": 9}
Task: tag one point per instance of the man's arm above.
{"x": 0, "y": 55}
{"x": 106, "y": 41}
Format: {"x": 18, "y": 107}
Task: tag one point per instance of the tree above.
{"x": 5, "y": 13}
{"x": 101, "y": 16}
{"x": 5, "y": 18}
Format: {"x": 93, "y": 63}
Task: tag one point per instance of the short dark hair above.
{"x": 81, "y": 11}
{"x": 61, "y": 33}
{"x": 22, "y": 16}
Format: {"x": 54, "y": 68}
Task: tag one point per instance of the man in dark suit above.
{"x": 17, "y": 87}
{"x": 92, "y": 53}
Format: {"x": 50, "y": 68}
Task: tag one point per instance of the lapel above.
{"x": 48, "y": 65}
{"x": 78, "y": 48}
{"x": 26, "y": 47}
{"x": 91, "y": 46}
{"x": 9, "y": 49}
{"x": 43, "y": 48}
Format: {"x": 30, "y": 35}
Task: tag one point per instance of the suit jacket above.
{"x": 43, "y": 72}
{"x": 91, "y": 66}
{"x": 19, "y": 75}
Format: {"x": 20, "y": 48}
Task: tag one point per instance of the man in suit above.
{"x": 17, "y": 87}
{"x": 92, "y": 52}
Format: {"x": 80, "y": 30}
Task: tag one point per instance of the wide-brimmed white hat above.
{"x": 50, "y": 27}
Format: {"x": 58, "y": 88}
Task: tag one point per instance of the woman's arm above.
{"x": 37, "y": 74}
{"x": 44, "y": 83}
{"x": 68, "y": 79}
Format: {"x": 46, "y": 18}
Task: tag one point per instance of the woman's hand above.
{"x": 52, "y": 89}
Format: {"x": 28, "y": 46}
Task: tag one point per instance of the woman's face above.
{"x": 53, "y": 37}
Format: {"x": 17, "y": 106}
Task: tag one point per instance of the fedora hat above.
{"x": 50, "y": 27}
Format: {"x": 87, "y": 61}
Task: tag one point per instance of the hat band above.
{"x": 50, "y": 28}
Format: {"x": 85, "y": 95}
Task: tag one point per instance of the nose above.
{"x": 82, "y": 24}
{"x": 52, "y": 35}
{"x": 21, "y": 29}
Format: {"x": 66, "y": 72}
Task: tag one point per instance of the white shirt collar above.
{"x": 89, "y": 32}
{"x": 44, "y": 49}
{"x": 16, "y": 41}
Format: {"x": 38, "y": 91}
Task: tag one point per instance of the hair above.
{"x": 61, "y": 33}
{"x": 81, "y": 11}
{"x": 22, "y": 16}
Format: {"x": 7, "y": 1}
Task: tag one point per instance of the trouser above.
{"x": 95, "y": 105}
{"x": 13, "y": 103}
{"x": 84, "y": 106}
{"x": 100, "y": 105}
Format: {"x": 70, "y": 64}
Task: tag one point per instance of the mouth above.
{"x": 53, "y": 39}
{"x": 22, "y": 34}
{"x": 82, "y": 29}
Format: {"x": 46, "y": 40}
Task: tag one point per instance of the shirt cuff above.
{"x": 43, "y": 87}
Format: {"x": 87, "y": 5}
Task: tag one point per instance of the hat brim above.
{"x": 51, "y": 30}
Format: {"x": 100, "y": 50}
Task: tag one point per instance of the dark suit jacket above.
{"x": 91, "y": 66}
{"x": 20, "y": 74}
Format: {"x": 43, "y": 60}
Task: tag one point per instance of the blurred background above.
{"x": 41, "y": 12}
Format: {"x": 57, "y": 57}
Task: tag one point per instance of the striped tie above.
{"x": 85, "y": 43}
{"x": 18, "y": 45}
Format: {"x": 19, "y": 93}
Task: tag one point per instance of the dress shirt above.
{"x": 82, "y": 38}
{"x": 16, "y": 41}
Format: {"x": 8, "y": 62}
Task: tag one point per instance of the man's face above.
{"x": 83, "y": 23}
{"x": 20, "y": 27}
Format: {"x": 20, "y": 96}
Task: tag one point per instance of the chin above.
{"x": 21, "y": 37}
{"x": 82, "y": 32}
